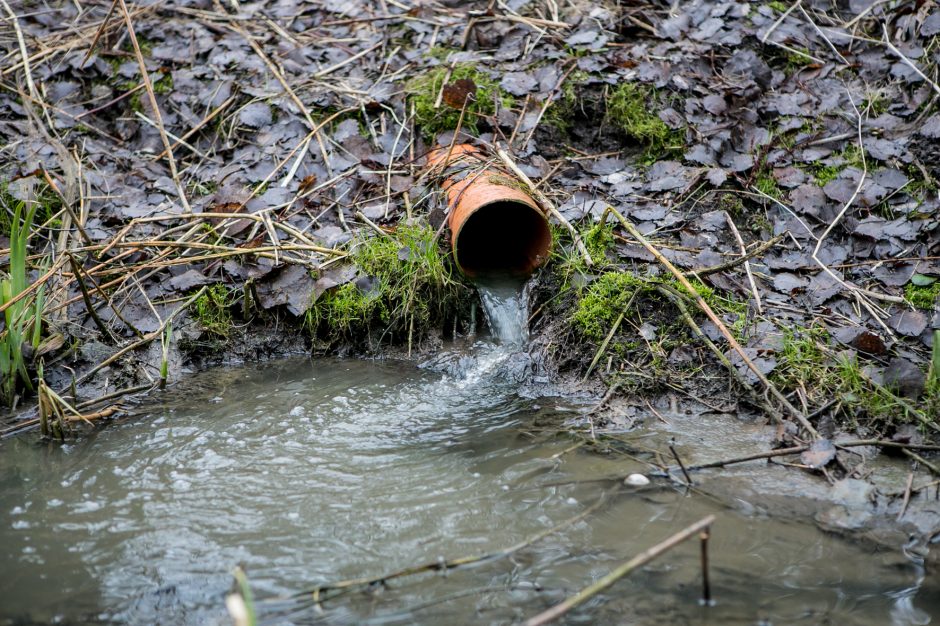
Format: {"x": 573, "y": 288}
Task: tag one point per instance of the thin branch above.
{"x": 145, "y": 75}
{"x": 636, "y": 562}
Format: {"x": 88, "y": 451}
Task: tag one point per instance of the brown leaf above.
{"x": 308, "y": 182}
{"x": 457, "y": 92}
{"x": 225, "y": 207}
{"x": 869, "y": 342}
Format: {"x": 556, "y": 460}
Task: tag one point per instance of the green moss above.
{"x": 48, "y": 202}
{"x": 164, "y": 85}
{"x": 213, "y": 310}
{"x": 861, "y": 394}
{"x": 606, "y": 297}
{"x": 200, "y": 189}
{"x": 919, "y": 186}
{"x": 412, "y": 287}
{"x": 603, "y": 302}
{"x": 346, "y": 310}
{"x": 796, "y": 59}
{"x": 731, "y": 203}
{"x": 801, "y": 359}
{"x": 424, "y": 90}
{"x": 565, "y": 105}
{"x": 598, "y": 240}
{"x": 440, "y": 52}
{"x": 825, "y": 174}
{"x": 923, "y": 296}
{"x": 875, "y": 104}
{"x": 766, "y": 183}
{"x": 776, "y": 5}
{"x": 851, "y": 156}
{"x": 568, "y": 264}
{"x": 630, "y": 108}
{"x": 805, "y": 362}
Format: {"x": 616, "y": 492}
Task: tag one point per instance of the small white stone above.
{"x": 637, "y": 480}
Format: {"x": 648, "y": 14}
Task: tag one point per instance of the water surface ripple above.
{"x": 308, "y": 471}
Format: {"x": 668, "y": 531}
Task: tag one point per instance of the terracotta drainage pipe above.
{"x": 496, "y": 228}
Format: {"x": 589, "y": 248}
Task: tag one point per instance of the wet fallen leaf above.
{"x": 457, "y": 92}
{"x": 308, "y": 182}
{"x": 904, "y": 377}
{"x": 908, "y": 323}
{"x": 869, "y": 342}
{"x": 852, "y": 492}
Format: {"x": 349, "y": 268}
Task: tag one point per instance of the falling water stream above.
{"x": 506, "y": 306}
{"x": 307, "y": 471}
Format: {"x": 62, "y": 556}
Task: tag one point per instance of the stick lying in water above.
{"x": 443, "y": 565}
{"x": 638, "y": 561}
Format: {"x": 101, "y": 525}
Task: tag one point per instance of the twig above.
{"x": 706, "y": 586}
{"x": 750, "y": 457}
{"x": 906, "y": 60}
{"x": 195, "y": 129}
{"x": 610, "y": 335}
{"x": 442, "y": 565}
{"x": 114, "y": 394}
{"x": 933, "y": 468}
{"x": 140, "y": 342}
{"x": 145, "y": 76}
{"x": 546, "y": 204}
{"x": 345, "y": 62}
{"x": 371, "y": 224}
{"x": 747, "y": 265}
{"x": 548, "y": 102}
{"x": 704, "y": 306}
{"x": 887, "y": 444}
{"x": 679, "y": 300}
{"x": 675, "y": 455}
{"x": 314, "y": 127}
{"x": 727, "y": 265}
{"x": 23, "y": 52}
{"x": 779, "y": 21}
{"x": 823, "y": 35}
{"x": 638, "y": 561}
{"x": 39, "y": 282}
{"x": 76, "y": 271}
{"x": 98, "y": 33}
{"x": 907, "y": 493}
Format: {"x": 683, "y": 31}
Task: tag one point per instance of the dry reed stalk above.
{"x": 705, "y": 308}
{"x": 145, "y": 76}
{"x": 636, "y": 562}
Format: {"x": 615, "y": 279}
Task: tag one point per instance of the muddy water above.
{"x": 309, "y": 472}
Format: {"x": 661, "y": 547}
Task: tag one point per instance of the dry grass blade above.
{"x": 700, "y": 302}
{"x": 148, "y": 85}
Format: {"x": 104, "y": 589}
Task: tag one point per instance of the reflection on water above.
{"x": 308, "y": 472}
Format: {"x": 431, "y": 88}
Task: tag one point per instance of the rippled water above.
{"x": 306, "y": 472}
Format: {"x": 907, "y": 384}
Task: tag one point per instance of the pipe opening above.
{"x": 503, "y": 237}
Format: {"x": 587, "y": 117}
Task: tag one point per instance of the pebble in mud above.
{"x": 636, "y": 480}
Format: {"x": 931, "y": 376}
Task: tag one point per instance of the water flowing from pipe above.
{"x": 506, "y": 306}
